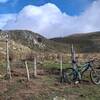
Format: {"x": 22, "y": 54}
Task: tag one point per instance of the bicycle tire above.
{"x": 70, "y": 75}
{"x": 95, "y": 76}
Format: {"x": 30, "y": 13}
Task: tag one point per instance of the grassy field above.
{"x": 45, "y": 87}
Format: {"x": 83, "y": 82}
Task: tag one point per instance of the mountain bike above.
{"x": 75, "y": 74}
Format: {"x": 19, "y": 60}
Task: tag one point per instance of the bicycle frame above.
{"x": 83, "y": 69}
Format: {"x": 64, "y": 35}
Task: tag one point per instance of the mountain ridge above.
{"x": 89, "y": 42}
{"x": 34, "y": 41}
{"x": 83, "y": 43}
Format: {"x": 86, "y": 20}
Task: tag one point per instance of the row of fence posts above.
{"x": 35, "y": 67}
{"x": 35, "y": 62}
{"x": 26, "y": 64}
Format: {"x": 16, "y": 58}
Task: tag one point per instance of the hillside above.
{"x": 89, "y": 42}
{"x": 34, "y": 41}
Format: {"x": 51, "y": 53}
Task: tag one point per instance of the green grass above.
{"x": 48, "y": 64}
{"x": 52, "y": 64}
{"x": 84, "y": 92}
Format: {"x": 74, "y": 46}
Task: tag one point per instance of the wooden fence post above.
{"x": 61, "y": 65}
{"x": 73, "y": 57}
{"x": 7, "y": 57}
{"x": 35, "y": 66}
{"x": 72, "y": 52}
{"x": 27, "y": 70}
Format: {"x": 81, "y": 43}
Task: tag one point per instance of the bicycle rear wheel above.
{"x": 70, "y": 75}
{"x": 95, "y": 76}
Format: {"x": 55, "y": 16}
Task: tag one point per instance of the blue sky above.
{"x": 51, "y": 18}
{"x": 72, "y": 7}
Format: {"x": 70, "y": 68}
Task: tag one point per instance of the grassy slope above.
{"x": 26, "y": 38}
{"x": 89, "y": 42}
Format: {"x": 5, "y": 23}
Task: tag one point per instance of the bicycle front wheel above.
{"x": 95, "y": 76}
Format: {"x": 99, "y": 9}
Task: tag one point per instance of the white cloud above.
{"x": 49, "y": 21}
{"x": 4, "y": 18}
{"x": 3, "y": 1}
